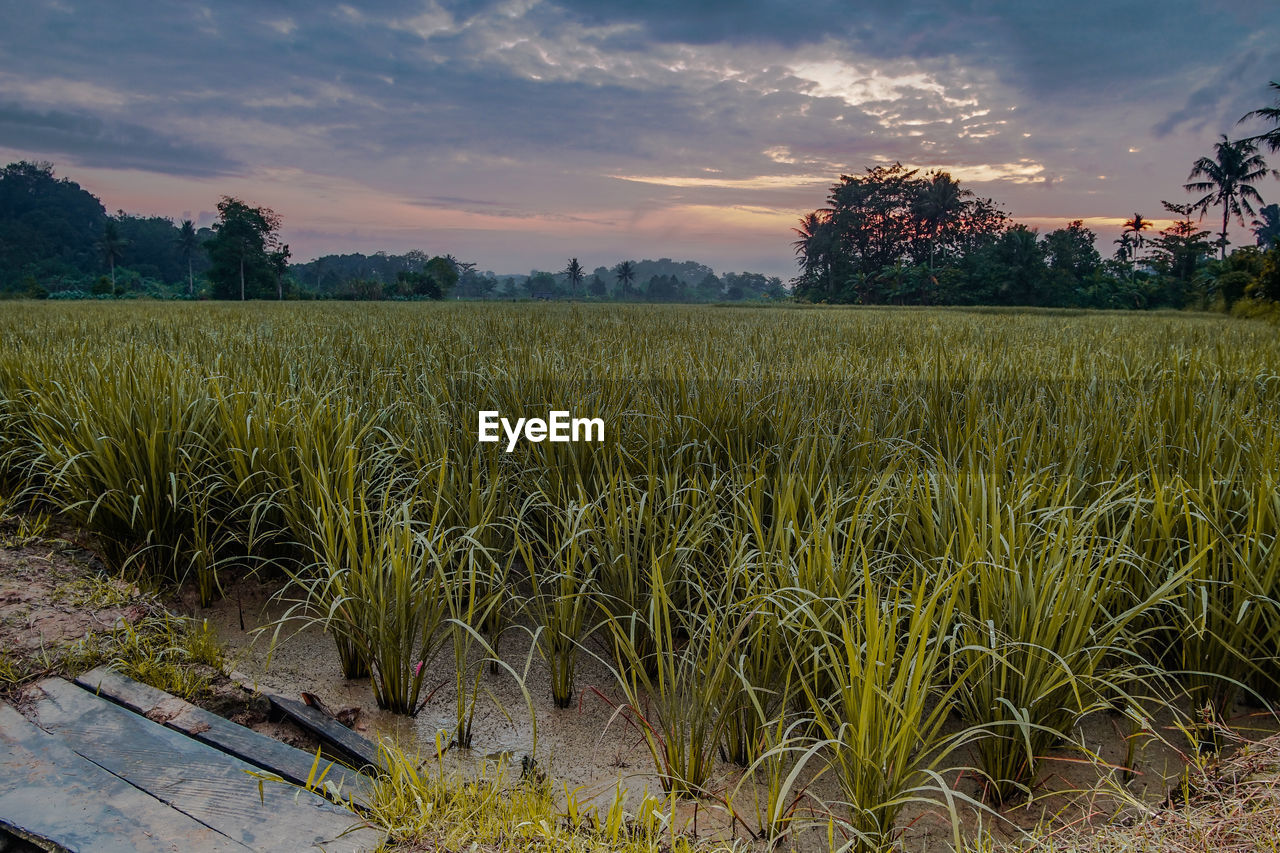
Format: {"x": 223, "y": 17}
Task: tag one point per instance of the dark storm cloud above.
{"x": 96, "y": 142}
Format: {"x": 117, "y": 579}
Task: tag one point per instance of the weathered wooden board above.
{"x": 257, "y": 749}
{"x": 332, "y": 733}
{"x": 195, "y": 778}
{"x": 53, "y": 797}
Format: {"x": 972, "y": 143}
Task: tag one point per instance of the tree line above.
{"x": 894, "y": 235}
{"x": 58, "y": 241}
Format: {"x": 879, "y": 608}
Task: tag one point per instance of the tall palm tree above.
{"x": 1228, "y": 179}
{"x": 941, "y": 200}
{"x": 575, "y": 275}
{"x": 1136, "y": 226}
{"x": 188, "y": 242}
{"x": 111, "y": 245}
{"x": 814, "y": 248}
{"x": 625, "y": 273}
{"x": 1272, "y": 137}
{"x": 1267, "y": 226}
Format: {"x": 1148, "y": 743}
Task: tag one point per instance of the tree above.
{"x": 1228, "y": 179}
{"x": 625, "y": 273}
{"x": 279, "y": 263}
{"x": 540, "y": 284}
{"x": 1266, "y": 228}
{"x": 49, "y": 226}
{"x": 1179, "y": 252}
{"x": 889, "y": 234}
{"x": 574, "y": 273}
{"x": 815, "y": 251}
{"x": 873, "y": 218}
{"x": 1270, "y": 138}
{"x": 245, "y": 238}
{"x": 434, "y": 281}
{"x": 937, "y": 204}
{"x": 111, "y": 244}
{"x": 1266, "y": 287}
{"x": 597, "y": 288}
{"x": 1237, "y": 276}
{"x": 709, "y": 287}
{"x": 1071, "y": 250}
{"x": 1017, "y": 266}
{"x": 1135, "y": 227}
{"x": 1124, "y": 250}
{"x": 188, "y": 242}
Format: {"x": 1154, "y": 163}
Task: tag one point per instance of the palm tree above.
{"x": 1132, "y": 241}
{"x": 1272, "y": 137}
{"x": 1228, "y": 179}
{"x": 1125, "y": 242}
{"x": 1267, "y": 226}
{"x": 938, "y": 205}
{"x": 188, "y": 242}
{"x": 575, "y": 274}
{"x": 1136, "y": 226}
{"x": 111, "y": 245}
{"x": 625, "y": 272}
{"x": 814, "y": 249}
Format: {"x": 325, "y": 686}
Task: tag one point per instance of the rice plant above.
{"x": 881, "y": 720}
{"x": 555, "y": 545}
{"x": 810, "y": 538}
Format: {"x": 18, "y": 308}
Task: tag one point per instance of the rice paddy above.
{"x": 884, "y": 547}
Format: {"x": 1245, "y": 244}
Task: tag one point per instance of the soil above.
{"x": 55, "y": 592}
{"x": 43, "y": 606}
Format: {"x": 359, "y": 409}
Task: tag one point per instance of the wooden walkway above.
{"x": 108, "y": 764}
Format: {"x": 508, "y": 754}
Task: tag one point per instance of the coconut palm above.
{"x": 1272, "y": 137}
{"x": 625, "y": 273}
{"x": 814, "y": 249}
{"x": 188, "y": 242}
{"x": 937, "y": 205}
{"x": 1227, "y": 181}
{"x": 575, "y": 274}
{"x": 111, "y": 245}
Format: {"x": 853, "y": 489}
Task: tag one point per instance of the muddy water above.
{"x": 591, "y": 750}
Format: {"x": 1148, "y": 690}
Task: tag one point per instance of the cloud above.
{"x": 93, "y": 141}
{"x": 457, "y": 118}
{"x": 759, "y": 182}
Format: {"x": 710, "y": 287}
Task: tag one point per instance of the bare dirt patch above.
{"x": 57, "y": 598}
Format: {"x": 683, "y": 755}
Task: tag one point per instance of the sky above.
{"x": 518, "y": 133}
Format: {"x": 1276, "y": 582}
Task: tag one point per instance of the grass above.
{"x": 815, "y": 544}
{"x": 421, "y": 806}
{"x": 175, "y": 654}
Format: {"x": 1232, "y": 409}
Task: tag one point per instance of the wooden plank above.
{"x": 362, "y": 753}
{"x": 195, "y": 778}
{"x": 56, "y": 799}
{"x": 267, "y": 753}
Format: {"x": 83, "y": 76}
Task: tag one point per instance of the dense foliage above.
{"x": 248, "y": 259}
{"x": 57, "y": 240}
{"x": 895, "y": 236}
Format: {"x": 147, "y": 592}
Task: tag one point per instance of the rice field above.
{"x": 879, "y": 546}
